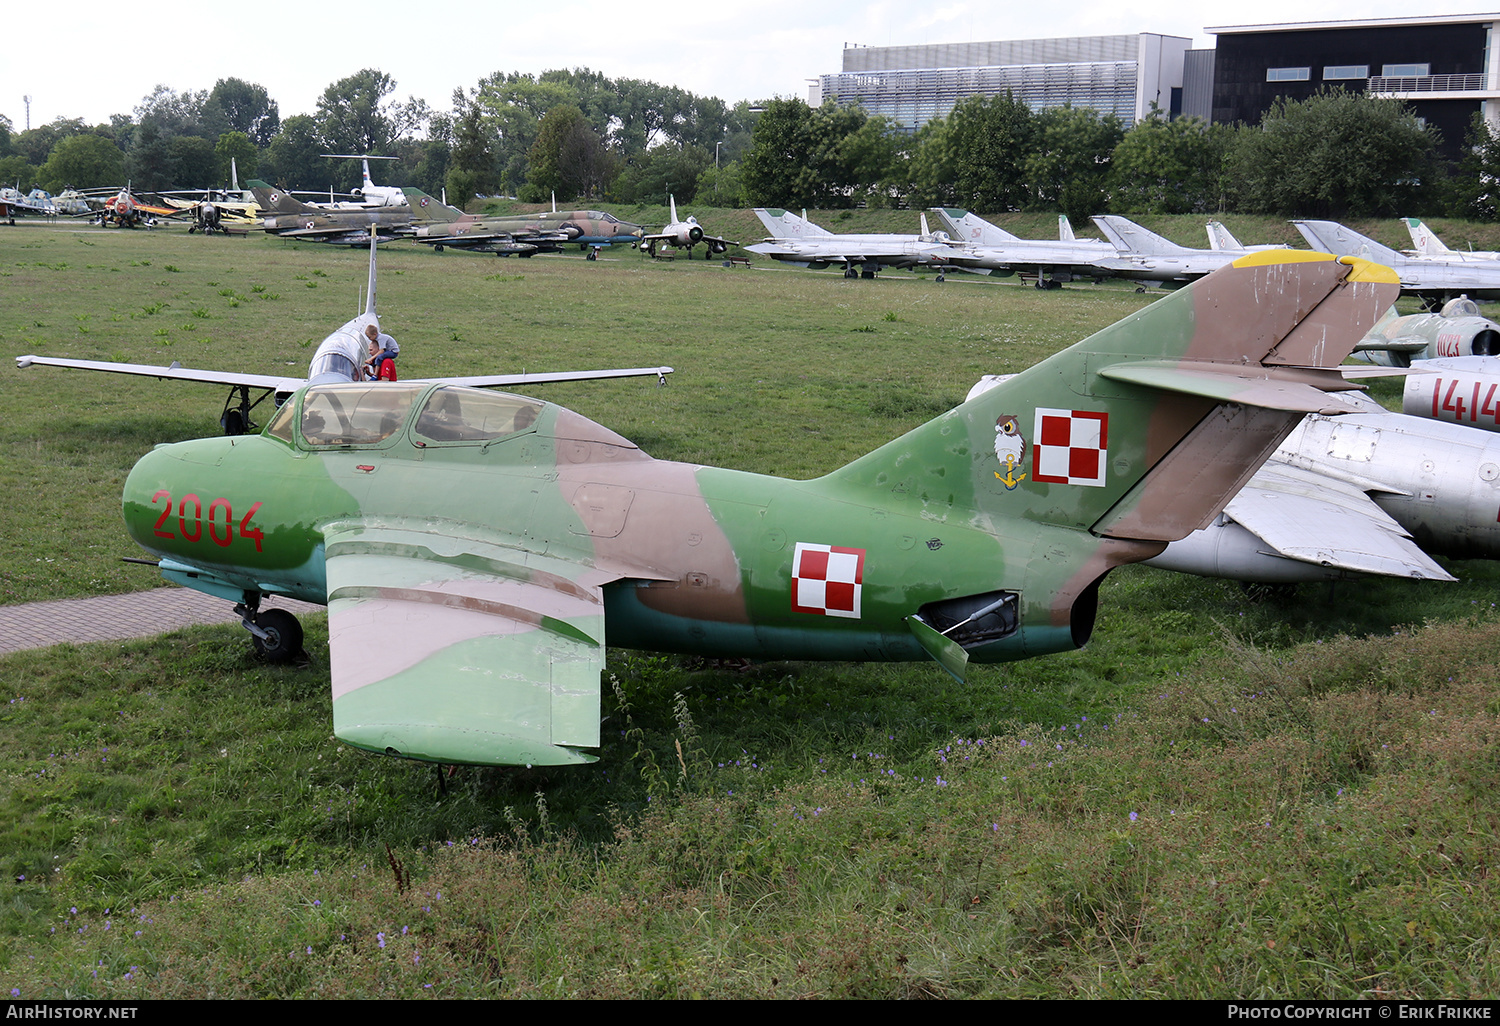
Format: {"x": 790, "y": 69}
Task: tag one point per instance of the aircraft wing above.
{"x": 175, "y": 372}
{"x": 1315, "y": 518}
{"x": 452, "y": 645}
{"x": 497, "y": 380}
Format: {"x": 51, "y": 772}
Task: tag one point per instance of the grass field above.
{"x": 1216, "y": 798}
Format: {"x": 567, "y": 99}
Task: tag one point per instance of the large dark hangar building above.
{"x": 1444, "y": 67}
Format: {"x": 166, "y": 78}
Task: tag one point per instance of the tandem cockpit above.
{"x": 381, "y": 414}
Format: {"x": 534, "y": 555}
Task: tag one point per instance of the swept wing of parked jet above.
{"x": 1436, "y": 279}
{"x": 340, "y": 357}
{"x": 796, "y": 240}
{"x": 477, "y": 551}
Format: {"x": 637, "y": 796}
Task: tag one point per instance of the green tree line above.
{"x": 578, "y": 134}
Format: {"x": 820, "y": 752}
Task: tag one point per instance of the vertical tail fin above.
{"x": 783, "y": 224}
{"x": 370, "y": 295}
{"x": 1220, "y": 239}
{"x": 673, "y": 201}
{"x": 1128, "y": 237}
{"x": 428, "y": 208}
{"x": 1423, "y": 239}
{"x": 1144, "y": 430}
{"x": 1065, "y": 229}
{"x": 971, "y": 228}
{"x": 1332, "y": 237}
{"x": 277, "y": 202}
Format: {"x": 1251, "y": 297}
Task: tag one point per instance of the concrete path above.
{"x": 138, "y": 614}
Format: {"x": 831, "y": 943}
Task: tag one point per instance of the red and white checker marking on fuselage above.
{"x": 1070, "y": 447}
{"x": 827, "y": 580}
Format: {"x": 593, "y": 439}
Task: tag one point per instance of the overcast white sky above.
{"x": 97, "y": 58}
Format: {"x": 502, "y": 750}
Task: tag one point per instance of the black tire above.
{"x": 285, "y": 636}
{"x": 233, "y": 422}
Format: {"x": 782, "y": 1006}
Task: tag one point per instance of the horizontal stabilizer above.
{"x": 1271, "y": 388}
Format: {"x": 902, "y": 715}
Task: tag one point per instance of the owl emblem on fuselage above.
{"x": 1010, "y": 450}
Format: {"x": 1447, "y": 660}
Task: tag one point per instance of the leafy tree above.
{"x": 194, "y": 162}
{"x": 1168, "y": 167}
{"x": 722, "y": 186}
{"x": 351, "y": 115}
{"x": 568, "y": 157}
{"x": 237, "y": 145}
{"x": 649, "y": 177}
{"x": 1477, "y": 183}
{"x": 148, "y": 162}
{"x": 172, "y": 113}
{"x": 1336, "y": 154}
{"x": 471, "y": 166}
{"x": 15, "y": 171}
{"x": 83, "y": 162}
{"x": 244, "y": 107}
{"x": 825, "y": 158}
{"x": 293, "y": 160}
{"x": 36, "y": 143}
{"x": 988, "y": 140}
{"x": 1069, "y": 167}
{"x": 512, "y": 107}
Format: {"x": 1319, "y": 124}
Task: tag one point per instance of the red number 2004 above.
{"x": 192, "y": 527}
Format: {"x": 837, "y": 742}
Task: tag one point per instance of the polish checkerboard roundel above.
{"x": 1070, "y": 447}
{"x": 827, "y": 580}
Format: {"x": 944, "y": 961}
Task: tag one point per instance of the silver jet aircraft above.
{"x": 1436, "y": 279}
{"x": 796, "y": 240}
{"x": 979, "y": 245}
{"x": 684, "y": 235}
{"x": 1145, "y": 256}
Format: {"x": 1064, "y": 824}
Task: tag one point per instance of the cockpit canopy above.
{"x": 373, "y": 414}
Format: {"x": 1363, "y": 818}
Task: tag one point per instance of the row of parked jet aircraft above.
{"x": 1430, "y": 270}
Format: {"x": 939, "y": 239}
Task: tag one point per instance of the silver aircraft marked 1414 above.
{"x": 478, "y": 550}
{"x": 340, "y": 357}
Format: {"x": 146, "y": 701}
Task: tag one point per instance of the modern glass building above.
{"x": 911, "y": 85}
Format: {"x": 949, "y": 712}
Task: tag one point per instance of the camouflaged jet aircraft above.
{"x": 340, "y": 357}
{"x": 477, "y": 550}
{"x": 290, "y": 218}
{"x": 481, "y": 234}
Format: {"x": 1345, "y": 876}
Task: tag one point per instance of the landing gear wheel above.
{"x": 283, "y": 641}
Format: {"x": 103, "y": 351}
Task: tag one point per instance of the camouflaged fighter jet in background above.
{"x": 684, "y": 235}
{"x": 339, "y": 358}
{"x": 290, "y": 218}
{"x": 480, "y": 233}
{"x": 478, "y": 550}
